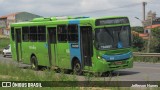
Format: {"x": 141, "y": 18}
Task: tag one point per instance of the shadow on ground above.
{"x": 124, "y": 73}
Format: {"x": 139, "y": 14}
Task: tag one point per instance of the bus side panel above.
{"x": 13, "y": 50}
{"x": 75, "y": 51}
{"x": 39, "y": 49}
{"x": 63, "y": 55}
{"x": 54, "y": 61}
{"x": 26, "y": 52}
{"x": 41, "y": 52}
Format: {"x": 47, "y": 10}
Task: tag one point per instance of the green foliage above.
{"x": 138, "y": 42}
{"x": 4, "y": 42}
{"x": 155, "y": 40}
{"x": 146, "y": 59}
{"x": 12, "y": 72}
{"x": 138, "y": 29}
{"x": 156, "y": 33}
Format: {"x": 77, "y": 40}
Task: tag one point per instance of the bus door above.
{"x": 86, "y": 45}
{"x": 18, "y": 43}
{"x": 52, "y": 45}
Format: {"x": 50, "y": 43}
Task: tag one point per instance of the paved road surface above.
{"x": 140, "y": 72}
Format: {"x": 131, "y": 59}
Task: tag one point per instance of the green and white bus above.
{"x": 79, "y": 44}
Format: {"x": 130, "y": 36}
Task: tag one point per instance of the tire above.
{"x": 77, "y": 68}
{"x": 34, "y": 63}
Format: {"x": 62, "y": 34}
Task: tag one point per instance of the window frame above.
{"x": 73, "y": 33}
{"x": 61, "y": 33}
{"x": 43, "y": 38}
{"x": 26, "y": 33}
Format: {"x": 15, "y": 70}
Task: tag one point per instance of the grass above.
{"x": 146, "y": 59}
{"x": 10, "y": 72}
{"x": 14, "y": 73}
{"x": 3, "y": 43}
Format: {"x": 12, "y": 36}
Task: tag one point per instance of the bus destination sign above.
{"x": 111, "y": 21}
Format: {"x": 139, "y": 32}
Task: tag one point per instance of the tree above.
{"x": 137, "y": 42}
{"x": 155, "y": 46}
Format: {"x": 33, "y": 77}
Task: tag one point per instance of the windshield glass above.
{"x": 112, "y": 37}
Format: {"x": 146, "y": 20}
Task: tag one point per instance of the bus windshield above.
{"x": 112, "y": 37}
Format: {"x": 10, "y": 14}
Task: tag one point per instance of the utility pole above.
{"x": 149, "y": 37}
{"x": 144, "y": 9}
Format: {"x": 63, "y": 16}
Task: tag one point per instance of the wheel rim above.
{"x": 77, "y": 67}
{"x": 33, "y": 65}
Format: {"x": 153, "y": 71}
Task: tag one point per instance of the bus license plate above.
{"x": 118, "y": 63}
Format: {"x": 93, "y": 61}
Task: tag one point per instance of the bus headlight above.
{"x": 99, "y": 57}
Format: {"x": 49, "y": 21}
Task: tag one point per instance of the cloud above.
{"x": 79, "y": 7}
{"x": 137, "y": 1}
{"x": 96, "y": 4}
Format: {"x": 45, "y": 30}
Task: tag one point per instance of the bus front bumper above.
{"x": 104, "y": 66}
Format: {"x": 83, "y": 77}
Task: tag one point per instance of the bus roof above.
{"x": 59, "y": 20}
{"x": 52, "y": 20}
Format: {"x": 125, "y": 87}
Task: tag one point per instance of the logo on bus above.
{"x": 32, "y": 47}
{"x": 74, "y": 45}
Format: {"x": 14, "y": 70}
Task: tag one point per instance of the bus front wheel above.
{"x": 77, "y": 68}
{"x": 34, "y": 63}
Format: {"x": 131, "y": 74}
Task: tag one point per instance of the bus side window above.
{"x": 73, "y": 33}
{"x": 33, "y": 33}
{"x": 41, "y": 33}
{"x": 62, "y": 33}
{"x": 52, "y": 35}
{"x": 25, "y": 34}
{"x": 12, "y": 33}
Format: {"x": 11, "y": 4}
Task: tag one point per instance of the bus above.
{"x": 76, "y": 43}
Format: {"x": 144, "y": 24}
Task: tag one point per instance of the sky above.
{"x": 91, "y": 8}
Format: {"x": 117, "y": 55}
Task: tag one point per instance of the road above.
{"x": 139, "y": 72}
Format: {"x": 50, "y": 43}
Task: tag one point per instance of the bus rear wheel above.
{"x": 77, "y": 68}
{"x": 34, "y": 63}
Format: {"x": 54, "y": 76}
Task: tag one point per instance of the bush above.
{"x": 138, "y": 29}
{"x": 137, "y": 42}
{"x": 155, "y": 40}
{"x": 4, "y": 42}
